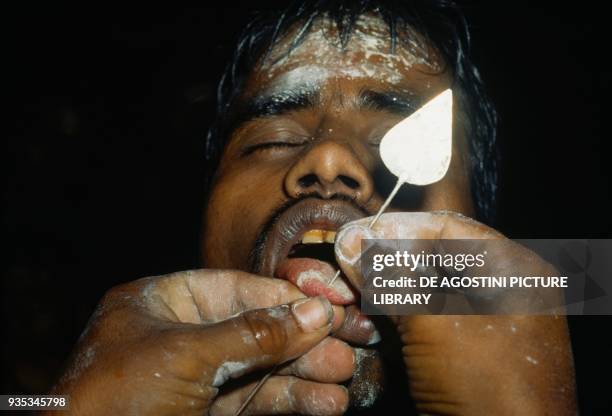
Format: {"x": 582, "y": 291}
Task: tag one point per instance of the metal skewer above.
{"x": 382, "y": 209}
{"x": 253, "y": 392}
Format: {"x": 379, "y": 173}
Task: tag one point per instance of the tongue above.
{"x": 311, "y": 276}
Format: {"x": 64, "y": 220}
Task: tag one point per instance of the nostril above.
{"x": 307, "y": 181}
{"x": 348, "y": 181}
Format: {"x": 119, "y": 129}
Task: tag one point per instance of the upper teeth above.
{"x": 318, "y": 236}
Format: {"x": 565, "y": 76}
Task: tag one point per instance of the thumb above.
{"x": 392, "y": 226}
{"x": 263, "y": 338}
{"x": 348, "y": 248}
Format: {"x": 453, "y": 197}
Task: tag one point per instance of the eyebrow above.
{"x": 303, "y": 97}
{"x": 294, "y": 98}
{"x": 401, "y": 103}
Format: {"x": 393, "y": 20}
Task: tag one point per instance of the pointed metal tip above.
{"x": 331, "y": 282}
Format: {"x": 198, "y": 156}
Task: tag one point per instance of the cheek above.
{"x": 241, "y": 202}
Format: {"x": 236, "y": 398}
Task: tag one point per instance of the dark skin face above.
{"x": 325, "y": 146}
{"x": 170, "y": 344}
{"x": 314, "y": 136}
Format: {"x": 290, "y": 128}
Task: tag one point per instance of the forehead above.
{"x": 367, "y": 59}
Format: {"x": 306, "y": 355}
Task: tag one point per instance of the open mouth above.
{"x": 300, "y": 247}
{"x": 311, "y": 266}
{"x": 316, "y": 244}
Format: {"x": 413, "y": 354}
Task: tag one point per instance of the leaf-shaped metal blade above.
{"x": 418, "y": 149}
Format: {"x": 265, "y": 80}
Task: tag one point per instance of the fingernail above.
{"x": 312, "y": 313}
{"x": 374, "y": 338}
{"x": 348, "y": 243}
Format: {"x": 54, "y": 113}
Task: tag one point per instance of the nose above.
{"x": 330, "y": 168}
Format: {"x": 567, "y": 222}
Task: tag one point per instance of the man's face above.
{"x": 303, "y": 160}
{"x": 305, "y": 154}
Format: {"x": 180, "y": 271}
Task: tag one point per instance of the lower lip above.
{"x": 312, "y": 276}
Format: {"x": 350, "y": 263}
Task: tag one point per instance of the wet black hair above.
{"x": 440, "y": 22}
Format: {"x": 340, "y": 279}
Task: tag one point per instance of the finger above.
{"x": 424, "y": 225}
{"x": 357, "y": 328}
{"x": 453, "y": 234}
{"x": 339, "y": 315}
{"x": 313, "y": 277}
{"x": 314, "y": 280}
{"x": 263, "y": 338}
{"x": 331, "y": 361}
{"x": 206, "y": 296}
{"x": 285, "y": 395}
{"x": 403, "y": 225}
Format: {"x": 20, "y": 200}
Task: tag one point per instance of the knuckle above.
{"x": 128, "y": 289}
{"x": 113, "y": 293}
{"x": 269, "y": 329}
{"x": 120, "y": 302}
{"x": 284, "y": 291}
{"x": 114, "y": 298}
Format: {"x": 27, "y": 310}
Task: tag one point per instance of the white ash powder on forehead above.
{"x": 372, "y": 34}
{"x": 367, "y": 54}
{"x": 303, "y": 76}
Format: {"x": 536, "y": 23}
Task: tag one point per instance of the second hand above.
{"x": 382, "y": 209}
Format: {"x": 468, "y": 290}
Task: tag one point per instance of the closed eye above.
{"x": 269, "y": 145}
{"x": 375, "y": 142}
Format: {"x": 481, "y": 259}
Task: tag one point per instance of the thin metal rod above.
{"x": 398, "y": 185}
{"x": 331, "y": 282}
{"x": 253, "y": 392}
{"x": 382, "y": 209}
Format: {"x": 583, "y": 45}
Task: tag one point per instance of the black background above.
{"x": 108, "y": 108}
